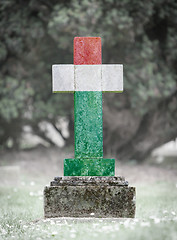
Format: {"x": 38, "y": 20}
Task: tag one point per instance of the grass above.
{"x": 21, "y": 206}
{"x": 21, "y": 216}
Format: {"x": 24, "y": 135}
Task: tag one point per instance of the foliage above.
{"x": 35, "y": 34}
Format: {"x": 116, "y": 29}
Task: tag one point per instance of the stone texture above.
{"x": 112, "y": 78}
{"x": 84, "y": 181}
{"x": 87, "y": 77}
{"x": 88, "y": 127}
{"x": 89, "y": 167}
{"x": 99, "y": 197}
{"x": 63, "y": 78}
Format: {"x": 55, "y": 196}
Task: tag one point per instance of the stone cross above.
{"x": 88, "y": 187}
{"x": 87, "y": 78}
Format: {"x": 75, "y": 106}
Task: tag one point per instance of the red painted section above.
{"x": 87, "y": 50}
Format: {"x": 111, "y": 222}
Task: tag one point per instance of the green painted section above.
{"x": 88, "y": 126}
{"x": 88, "y": 129}
{"x": 89, "y": 167}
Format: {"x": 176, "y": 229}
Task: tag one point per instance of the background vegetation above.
{"x": 139, "y": 34}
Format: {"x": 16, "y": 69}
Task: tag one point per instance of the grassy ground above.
{"x": 21, "y": 206}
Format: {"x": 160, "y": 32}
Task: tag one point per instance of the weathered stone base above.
{"x": 89, "y": 197}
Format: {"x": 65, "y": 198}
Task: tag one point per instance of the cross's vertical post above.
{"x": 88, "y": 123}
{"x": 88, "y": 104}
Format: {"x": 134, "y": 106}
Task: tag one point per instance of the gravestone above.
{"x": 89, "y": 187}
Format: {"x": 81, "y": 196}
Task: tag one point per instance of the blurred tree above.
{"x": 141, "y": 35}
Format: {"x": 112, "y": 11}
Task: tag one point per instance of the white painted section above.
{"x": 112, "y": 78}
{"x": 104, "y": 77}
{"x": 87, "y": 77}
{"x": 63, "y": 78}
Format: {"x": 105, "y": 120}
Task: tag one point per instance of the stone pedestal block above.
{"x": 89, "y": 197}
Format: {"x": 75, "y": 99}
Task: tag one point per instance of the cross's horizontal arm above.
{"x": 103, "y": 77}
